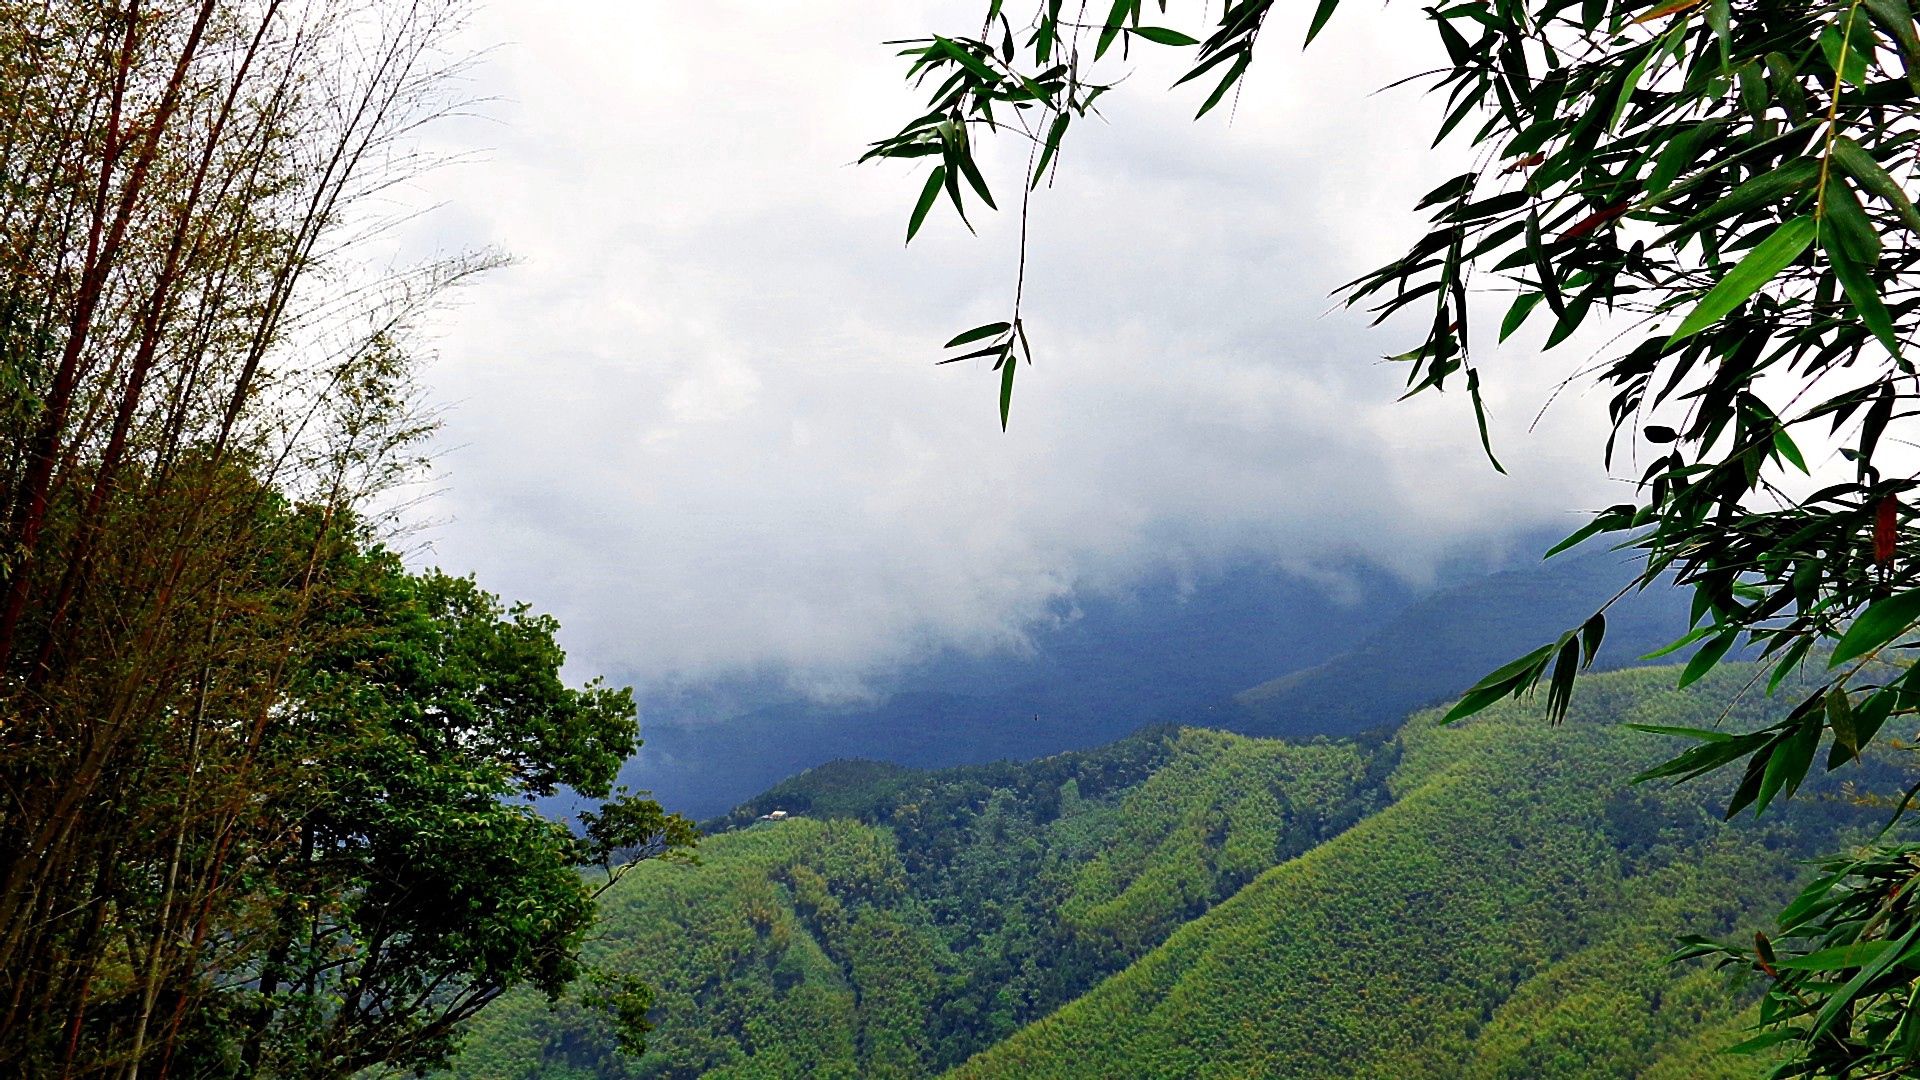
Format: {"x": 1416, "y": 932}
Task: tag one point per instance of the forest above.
{"x": 1485, "y": 900}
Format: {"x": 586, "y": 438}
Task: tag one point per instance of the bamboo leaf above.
{"x": 1006, "y": 388}
{"x": 1320, "y": 16}
{"x": 1883, "y": 621}
{"x": 1161, "y": 35}
{"x": 928, "y": 194}
{"x": 1761, "y": 265}
{"x": 977, "y": 333}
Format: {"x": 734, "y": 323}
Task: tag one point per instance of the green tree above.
{"x": 259, "y": 780}
{"x": 1717, "y": 182}
{"x": 416, "y": 885}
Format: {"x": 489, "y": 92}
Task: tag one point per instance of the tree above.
{"x": 411, "y": 883}
{"x": 257, "y": 779}
{"x": 1717, "y": 181}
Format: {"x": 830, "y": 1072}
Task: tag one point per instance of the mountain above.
{"x": 1442, "y": 642}
{"x": 1102, "y": 665}
{"x": 1484, "y": 900}
{"x": 1352, "y": 650}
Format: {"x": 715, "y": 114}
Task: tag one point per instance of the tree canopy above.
{"x": 263, "y": 787}
{"x": 1721, "y": 185}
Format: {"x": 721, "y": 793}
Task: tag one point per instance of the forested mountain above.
{"x": 1171, "y": 653}
{"x": 1482, "y": 900}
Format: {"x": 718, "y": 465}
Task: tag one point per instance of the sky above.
{"x": 697, "y": 418}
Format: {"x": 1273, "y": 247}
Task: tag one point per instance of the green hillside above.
{"x": 990, "y": 896}
{"x": 1479, "y": 901}
{"x": 1478, "y": 926}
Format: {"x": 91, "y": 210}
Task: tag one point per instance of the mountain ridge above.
{"x": 1363, "y": 669}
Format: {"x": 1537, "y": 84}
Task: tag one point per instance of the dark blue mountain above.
{"x": 1101, "y": 666}
{"x": 1444, "y": 642}
{"x": 1334, "y": 655}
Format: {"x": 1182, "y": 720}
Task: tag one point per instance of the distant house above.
{"x": 774, "y": 815}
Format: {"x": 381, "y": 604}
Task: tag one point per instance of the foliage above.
{"x": 1840, "y": 978}
{"x": 266, "y": 787}
{"x": 1372, "y": 955}
{"x": 1715, "y": 184}
{"x": 967, "y": 903}
{"x": 1189, "y": 900}
{"x": 420, "y": 889}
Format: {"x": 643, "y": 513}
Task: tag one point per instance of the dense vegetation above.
{"x": 265, "y": 785}
{"x": 940, "y": 911}
{"x": 1485, "y": 900}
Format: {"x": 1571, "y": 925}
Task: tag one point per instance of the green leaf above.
{"x": 1320, "y": 16}
{"x": 1160, "y": 35}
{"x": 1788, "y": 764}
{"x": 1846, "y": 738}
{"x": 1480, "y": 418}
{"x": 1566, "y": 667}
{"x": 1006, "y": 388}
{"x": 1631, "y": 84}
{"x": 970, "y": 170}
{"x": 1861, "y": 165}
{"x": 1592, "y": 633}
{"x": 1116, "y": 21}
{"x": 1883, "y": 621}
{"x": 1685, "y": 640}
{"x": 1897, "y": 17}
{"x": 1708, "y": 756}
{"x": 1761, "y": 265}
{"x": 1054, "y": 134}
{"x": 1838, "y": 958}
{"x": 1767, "y": 189}
{"x": 1844, "y": 56}
{"x": 998, "y": 348}
{"x": 1523, "y": 306}
{"x": 992, "y": 329}
{"x": 1701, "y": 734}
{"x": 1872, "y": 715}
{"x": 1609, "y": 519}
{"x": 1761, "y": 1042}
{"x": 1704, "y": 660}
{"x": 1507, "y": 679}
{"x": 969, "y": 61}
{"x": 1785, "y": 666}
{"x": 1785, "y": 445}
{"x": 935, "y": 180}
{"x": 1227, "y": 81}
{"x": 1838, "y": 1002}
{"x": 1719, "y": 19}
{"x": 1843, "y": 221}
{"x": 1857, "y": 282}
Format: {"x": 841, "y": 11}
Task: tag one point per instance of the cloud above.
{"x": 697, "y": 418}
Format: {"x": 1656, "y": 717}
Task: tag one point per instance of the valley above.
{"x": 1484, "y": 900}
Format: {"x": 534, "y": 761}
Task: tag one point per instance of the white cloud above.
{"x": 697, "y": 419}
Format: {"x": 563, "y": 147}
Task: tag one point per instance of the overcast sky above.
{"x": 697, "y": 418}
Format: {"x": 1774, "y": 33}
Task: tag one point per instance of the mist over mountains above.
{"x": 1255, "y": 650}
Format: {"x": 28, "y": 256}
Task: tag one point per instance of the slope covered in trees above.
{"x": 1505, "y": 916}
{"x": 933, "y": 913}
{"x": 1483, "y": 900}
